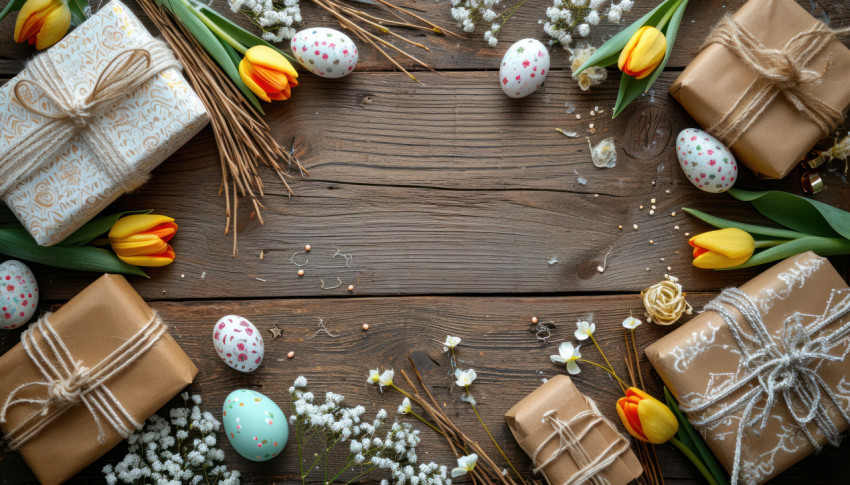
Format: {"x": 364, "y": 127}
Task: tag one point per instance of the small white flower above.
{"x": 465, "y": 464}
{"x": 465, "y": 378}
{"x": 451, "y": 342}
{"x": 405, "y": 407}
{"x": 374, "y": 376}
{"x": 585, "y": 329}
{"x": 631, "y": 323}
{"x": 386, "y": 379}
{"x": 567, "y": 355}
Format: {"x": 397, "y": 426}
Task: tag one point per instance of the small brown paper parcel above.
{"x": 568, "y": 439}
{"x": 780, "y": 136}
{"x": 104, "y": 318}
{"x": 762, "y": 372}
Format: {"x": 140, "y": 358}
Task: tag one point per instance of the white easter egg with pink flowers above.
{"x": 325, "y": 52}
{"x": 524, "y": 68}
{"x": 238, "y": 343}
{"x": 706, "y": 162}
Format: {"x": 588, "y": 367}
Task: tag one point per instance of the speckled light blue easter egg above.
{"x": 255, "y": 425}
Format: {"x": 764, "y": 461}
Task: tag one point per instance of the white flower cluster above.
{"x": 567, "y": 19}
{"x": 336, "y": 423}
{"x": 188, "y": 455}
{"x": 467, "y": 12}
{"x": 275, "y": 17}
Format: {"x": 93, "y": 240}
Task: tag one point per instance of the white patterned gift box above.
{"x": 763, "y": 373}
{"x": 54, "y": 195}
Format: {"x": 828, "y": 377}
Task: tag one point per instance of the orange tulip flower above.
{"x": 643, "y": 53}
{"x": 142, "y": 239}
{"x": 42, "y": 22}
{"x": 267, "y": 73}
{"x": 646, "y": 418}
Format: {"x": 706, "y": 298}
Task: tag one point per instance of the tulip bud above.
{"x": 267, "y": 73}
{"x": 42, "y": 22}
{"x": 644, "y": 51}
{"x": 646, "y": 418}
{"x": 142, "y": 239}
{"x": 723, "y": 248}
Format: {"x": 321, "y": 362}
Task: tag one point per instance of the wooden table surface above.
{"x": 463, "y": 214}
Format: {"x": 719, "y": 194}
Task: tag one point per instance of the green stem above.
{"x": 475, "y": 410}
{"x": 420, "y": 418}
{"x": 505, "y": 19}
{"x": 696, "y": 461}
{"x": 620, "y": 381}
{"x": 610, "y": 367}
{"x": 666, "y": 18}
{"x": 767, "y": 243}
{"x": 216, "y": 29}
{"x": 358, "y": 476}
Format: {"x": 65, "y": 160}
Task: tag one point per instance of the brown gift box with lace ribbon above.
{"x": 796, "y": 344}
{"x": 93, "y": 325}
{"x": 535, "y": 423}
{"x": 781, "y": 135}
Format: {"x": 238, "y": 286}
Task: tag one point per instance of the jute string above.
{"x": 569, "y": 441}
{"x": 780, "y": 71}
{"x": 69, "y": 382}
{"x": 774, "y": 369}
{"x": 67, "y": 115}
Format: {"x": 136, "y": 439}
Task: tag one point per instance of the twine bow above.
{"x": 780, "y": 71}
{"x": 67, "y": 115}
{"x": 783, "y": 369}
{"x": 569, "y": 441}
{"x": 69, "y": 383}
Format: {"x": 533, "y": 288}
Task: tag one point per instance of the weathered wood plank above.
{"x": 497, "y": 343}
{"x": 446, "y": 188}
{"x": 473, "y": 52}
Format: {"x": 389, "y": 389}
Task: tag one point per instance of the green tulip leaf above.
{"x": 822, "y": 246}
{"x": 238, "y": 33}
{"x": 750, "y": 228}
{"x": 608, "y": 53}
{"x": 18, "y": 244}
{"x": 798, "y": 213}
{"x": 670, "y": 32}
{"x": 78, "y": 11}
{"x": 12, "y": 6}
{"x": 630, "y": 89}
{"x": 694, "y": 441}
{"x": 212, "y": 44}
{"x": 97, "y": 227}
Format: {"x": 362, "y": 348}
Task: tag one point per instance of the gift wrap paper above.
{"x": 93, "y": 324}
{"x": 530, "y": 429}
{"x": 779, "y": 139}
{"x": 150, "y": 123}
{"x": 701, "y": 358}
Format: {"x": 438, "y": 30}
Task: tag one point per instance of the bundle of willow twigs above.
{"x": 348, "y": 16}
{"x": 242, "y": 137}
{"x": 487, "y": 471}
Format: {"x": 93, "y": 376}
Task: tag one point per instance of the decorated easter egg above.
{"x": 707, "y": 163}
{"x": 238, "y": 343}
{"x": 254, "y": 424}
{"x": 325, "y": 52}
{"x": 524, "y": 68}
{"x": 18, "y": 294}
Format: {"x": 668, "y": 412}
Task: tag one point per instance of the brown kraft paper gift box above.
{"x": 781, "y": 136}
{"x": 701, "y": 360}
{"x": 92, "y": 325}
{"x": 531, "y": 428}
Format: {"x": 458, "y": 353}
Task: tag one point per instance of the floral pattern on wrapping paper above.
{"x": 149, "y": 124}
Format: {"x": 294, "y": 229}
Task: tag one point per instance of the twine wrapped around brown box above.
{"x": 85, "y": 377}
{"x": 770, "y": 82}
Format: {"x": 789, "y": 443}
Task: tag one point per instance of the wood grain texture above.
{"x": 445, "y": 188}
{"x": 497, "y": 343}
{"x": 449, "y": 53}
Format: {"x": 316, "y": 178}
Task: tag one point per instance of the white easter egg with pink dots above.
{"x": 238, "y": 343}
{"x": 524, "y": 68}
{"x": 18, "y": 294}
{"x": 325, "y": 52}
{"x": 706, "y": 162}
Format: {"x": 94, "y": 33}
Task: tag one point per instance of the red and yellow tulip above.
{"x": 643, "y": 53}
{"x": 142, "y": 239}
{"x": 42, "y": 22}
{"x": 723, "y": 248}
{"x": 267, "y": 73}
{"x": 646, "y": 418}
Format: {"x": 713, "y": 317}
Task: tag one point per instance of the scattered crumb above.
{"x": 600, "y": 269}
{"x": 669, "y": 268}
{"x": 647, "y": 269}
{"x": 291, "y": 354}
{"x": 350, "y": 287}
{"x": 687, "y": 234}
{"x": 581, "y": 180}
{"x": 673, "y": 214}
{"x": 260, "y": 279}
{"x": 676, "y": 227}
{"x": 652, "y": 212}
{"x": 534, "y": 320}
{"x": 552, "y": 260}
{"x": 667, "y": 191}
{"x": 578, "y": 117}
{"x": 651, "y": 241}
{"x": 595, "y": 195}
{"x": 300, "y": 272}
{"x": 365, "y": 327}
{"x": 590, "y": 126}
{"x": 634, "y": 226}
{"x": 653, "y": 207}
{"x": 307, "y": 248}
{"x": 182, "y": 275}
{"x": 620, "y": 227}
{"x": 662, "y": 260}
{"x": 262, "y": 253}
{"x": 203, "y": 275}
{"x": 652, "y": 201}
{"x": 640, "y": 207}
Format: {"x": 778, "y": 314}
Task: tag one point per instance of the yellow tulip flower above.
{"x": 267, "y": 73}
{"x": 142, "y": 239}
{"x": 646, "y": 418}
{"x": 643, "y": 53}
{"x": 723, "y": 248}
{"x": 42, "y": 22}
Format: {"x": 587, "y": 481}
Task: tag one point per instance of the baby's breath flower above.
{"x": 468, "y": 12}
{"x": 274, "y": 17}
